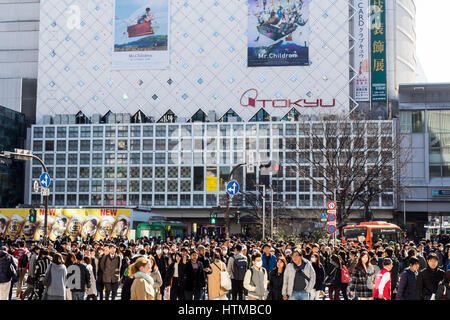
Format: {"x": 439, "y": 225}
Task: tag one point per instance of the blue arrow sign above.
{"x": 45, "y": 180}
{"x": 324, "y": 215}
{"x": 232, "y": 187}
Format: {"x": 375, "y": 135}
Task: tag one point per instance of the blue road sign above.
{"x": 332, "y": 217}
{"x": 324, "y": 215}
{"x": 45, "y": 180}
{"x": 232, "y": 187}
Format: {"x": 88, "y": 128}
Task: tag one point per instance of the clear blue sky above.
{"x": 433, "y": 42}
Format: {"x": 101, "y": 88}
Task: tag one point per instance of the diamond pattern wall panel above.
{"x": 208, "y": 62}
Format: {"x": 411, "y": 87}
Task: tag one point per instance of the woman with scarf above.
{"x": 142, "y": 288}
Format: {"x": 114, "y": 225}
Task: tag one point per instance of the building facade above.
{"x": 424, "y": 115}
{"x": 167, "y": 137}
{"x": 12, "y": 136}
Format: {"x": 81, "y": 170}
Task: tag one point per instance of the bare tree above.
{"x": 357, "y": 160}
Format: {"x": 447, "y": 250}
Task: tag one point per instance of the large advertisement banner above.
{"x": 378, "y": 47}
{"x": 278, "y": 33}
{"x": 141, "y": 34}
{"x": 97, "y": 223}
{"x": 362, "y": 63}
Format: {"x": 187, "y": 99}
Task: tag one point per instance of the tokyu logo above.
{"x": 250, "y": 99}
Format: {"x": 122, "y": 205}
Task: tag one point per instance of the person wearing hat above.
{"x": 111, "y": 264}
{"x": 429, "y": 278}
{"x": 195, "y": 277}
{"x": 78, "y": 278}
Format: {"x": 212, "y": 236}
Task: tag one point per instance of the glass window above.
{"x": 122, "y": 145}
{"x": 37, "y": 145}
{"x": 161, "y": 131}
{"x": 73, "y": 145}
{"x": 198, "y": 200}
{"x": 186, "y": 130}
{"x": 199, "y": 130}
{"x": 109, "y": 172}
{"x": 110, "y": 158}
{"x": 172, "y": 186}
{"x": 85, "y": 158}
{"x": 61, "y": 159}
{"x": 160, "y": 158}
{"x": 98, "y": 131}
{"x": 85, "y": 145}
{"x": 134, "y": 186}
{"x": 135, "y": 172}
{"x": 97, "y": 145}
{"x": 121, "y": 186}
{"x": 83, "y": 186}
{"x": 109, "y": 185}
{"x": 84, "y": 172}
{"x": 160, "y": 185}
{"x": 72, "y": 172}
{"x": 135, "y": 131}
{"x": 73, "y": 132}
{"x": 73, "y": 158}
{"x": 147, "y": 186}
{"x": 122, "y": 158}
{"x": 110, "y": 131}
{"x": 108, "y": 199}
{"x": 96, "y": 172}
{"x": 147, "y": 172}
{"x": 160, "y": 172}
{"x": 186, "y": 144}
{"x": 160, "y": 144}
{"x": 185, "y": 200}
{"x": 96, "y": 186}
{"x": 148, "y": 131}
{"x": 49, "y": 158}
{"x": 86, "y": 132}
{"x": 211, "y": 130}
{"x": 318, "y": 200}
{"x": 49, "y": 132}
{"x": 121, "y": 172}
{"x": 135, "y": 158}
{"x": 38, "y": 132}
{"x": 49, "y": 145}
{"x": 159, "y": 199}
{"x": 61, "y": 145}
{"x": 135, "y": 145}
{"x": 147, "y": 199}
{"x": 225, "y": 130}
{"x": 122, "y": 131}
{"x": 148, "y": 144}
{"x": 96, "y": 199}
{"x": 72, "y": 186}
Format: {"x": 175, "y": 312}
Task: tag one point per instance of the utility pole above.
{"x": 264, "y": 210}
{"x": 271, "y": 214}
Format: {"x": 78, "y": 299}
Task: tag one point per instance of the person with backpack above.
{"x": 269, "y": 260}
{"x": 31, "y": 279}
{"x": 256, "y": 279}
{"x": 333, "y": 280}
{"x": 21, "y": 254}
{"x": 361, "y": 282}
{"x": 8, "y": 269}
{"x": 394, "y": 271}
{"x": 382, "y": 289}
{"x": 299, "y": 278}
{"x": 237, "y": 267}
{"x": 407, "y": 284}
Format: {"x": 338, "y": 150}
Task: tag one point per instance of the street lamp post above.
{"x": 27, "y": 156}
{"x": 264, "y": 210}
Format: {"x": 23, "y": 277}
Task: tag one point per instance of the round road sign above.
{"x": 331, "y": 205}
{"x": 331, "y": 217}
{"x": 331, "y": 229}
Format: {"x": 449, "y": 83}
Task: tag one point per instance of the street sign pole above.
{"x": 227, "y": 211}
{"x": 334, "y": 234}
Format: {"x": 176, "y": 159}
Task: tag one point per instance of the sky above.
{"x": 433, "y": 42}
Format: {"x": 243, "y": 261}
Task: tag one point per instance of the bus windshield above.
{"x": 386, "y": 234}
{"x": 355, "y": 233}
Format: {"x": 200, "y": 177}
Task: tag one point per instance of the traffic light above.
{"x": 213, "y": 217}
{"x": 270, "y": 167}
{"x": 32, "y": 216}
{"x": 238, "y": 217}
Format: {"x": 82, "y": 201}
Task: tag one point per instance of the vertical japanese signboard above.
{"x": 378, "y": 49}
{"x": 362, "y": 63}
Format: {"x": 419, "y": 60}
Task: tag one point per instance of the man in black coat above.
{"x": 162, "y": 261}
{"x": 194, "y": 277}
{"x": 407, "y": 285}
{"x": 395, "y": 270}
{"x": 429, "y": 278}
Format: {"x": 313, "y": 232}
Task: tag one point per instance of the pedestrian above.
{"x": 256, "y": 279}
{"x": 174, "y": 277}
{"x": 42, "y": 264}
{"x": 31, "y": 279}
{"x": 92, "y": 293}
{"x": 407, "y": 284}
{"x": 157, "y": 279}
{"x": 100, "y": 286}
{"x": 276, "y": 280}
{"x": 429, "y": 279}
{"x": 269, "y": 260}
{"x": 215, "y": 289}
{"x": 382, "y": 289}
{"x": 333, "y": 279}
{"x": 55, "y": 279}
{"x": 22, "y": 256}
{"x": 363, "y": 278}
{"x": 142, "y": 287}
{"x": 299, "y": 278}
{"x": 162, "y": 262}
{"x": 111, "y": 264}
{"x": 443, "y": 291}
{"x": 194, "y": 277}
{"x": 8, "y": 269}
{"x": 237, "y": 267}
{"x": 78, "y": 278}
{"x": 319, "y": 286}
{"x": 394, "y": 271}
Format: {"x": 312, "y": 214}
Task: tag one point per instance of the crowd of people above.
{"x": 223, "y": 269}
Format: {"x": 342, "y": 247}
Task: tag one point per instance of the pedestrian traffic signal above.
{"x": 32, "y": 216}
{"x": 213, "y": 217}
{"x": 238, "y": 217}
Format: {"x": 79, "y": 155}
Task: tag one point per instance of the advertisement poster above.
{"x": 378, "y": 48}
{"x": 97, "y": 223}
{"x": 141, "y": 35}
{"x": 278, "y": 33}
{"x": 362, "y": 63}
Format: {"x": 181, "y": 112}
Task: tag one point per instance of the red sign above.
{"x": 249, "y": 99}
{"x": 331, "y": 205}
{"x": 108, "y": 212}
{"x": 331, "y": 229}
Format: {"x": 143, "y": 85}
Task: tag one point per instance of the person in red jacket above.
{"x": 382, "y": 289}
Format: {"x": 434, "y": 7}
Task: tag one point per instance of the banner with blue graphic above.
{"x": 278, "y": 33}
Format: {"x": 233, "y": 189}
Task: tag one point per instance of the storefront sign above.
{"x": 378, "y": 49}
